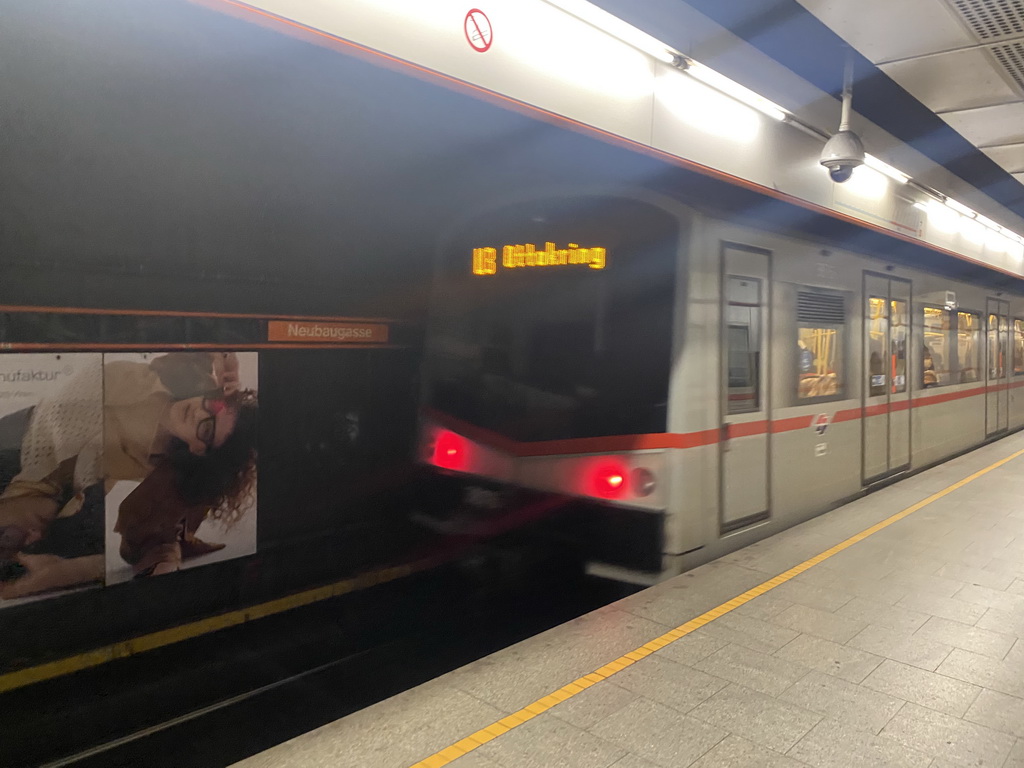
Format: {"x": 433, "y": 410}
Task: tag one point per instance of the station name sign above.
{"x": 485, "y": 260}
{"x": 313, "y": 332}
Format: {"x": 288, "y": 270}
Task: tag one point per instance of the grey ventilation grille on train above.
{"x": 992, "y": 20}
{"x": 826, "y": 308}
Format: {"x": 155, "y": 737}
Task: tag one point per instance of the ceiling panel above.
{"x": 884, "y": 30}
{"x": 1010, "y": 157}
{"x": 951, "y": 81}
{"x": 992, "y": 19}
{"x": 991, "y": 125}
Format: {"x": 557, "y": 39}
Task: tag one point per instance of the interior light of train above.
{"x": 707, "y": 109}
{"x": 732, "y": 88}
{"x": 882, "y": 167}
{"x": 616, "y": 27}
{"x": 450, "y": 451}
{"x": 607, "y": 481}
{"x": 485, "y": 260}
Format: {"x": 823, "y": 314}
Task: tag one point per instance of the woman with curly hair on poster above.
{"x": 180, "y": 413}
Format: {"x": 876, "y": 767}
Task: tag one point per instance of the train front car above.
{"x": 548, "y": 361}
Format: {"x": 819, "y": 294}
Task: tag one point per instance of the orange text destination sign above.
{"x": 485, "y": 260}
{"x": 287, "y": 330}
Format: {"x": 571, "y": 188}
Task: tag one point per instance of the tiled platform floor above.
{"x": 907, "y": 649}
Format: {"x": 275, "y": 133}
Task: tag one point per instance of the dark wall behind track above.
{"x": 158, "y": 139}
{"x": 335, "y": 444}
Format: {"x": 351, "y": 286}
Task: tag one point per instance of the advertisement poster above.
{"x": 123, "y": 466}
{"x": 51, "y": 482}
{"x": 179, "y": 460}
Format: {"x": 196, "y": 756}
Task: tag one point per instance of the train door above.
{"x": 997, "y": 371}
{"x": 746, "y": 409}
{"x": 886, "y": 395}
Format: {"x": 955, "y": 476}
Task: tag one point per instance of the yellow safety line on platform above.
{"x": 22, "y": 677}
{"x": 492, "y": 731}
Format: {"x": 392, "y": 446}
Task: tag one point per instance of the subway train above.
{"x": 472, "y": 291}
{"x": 713, "y": 381}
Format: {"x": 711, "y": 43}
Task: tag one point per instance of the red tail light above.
{"x": 608, "y": 481}
{"x": 450, "y": 451}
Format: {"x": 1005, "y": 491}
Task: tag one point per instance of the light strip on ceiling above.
{"x": 732, "y": 88}
{"x": 882, "y": 167}
{"x": 988, "y": 222}
{"x": 616, "y": 27}
{"x": 960, "y": 208}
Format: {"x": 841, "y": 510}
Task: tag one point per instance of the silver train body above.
{"x": 801, "y": 375}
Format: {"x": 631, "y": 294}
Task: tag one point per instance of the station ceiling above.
{"x": 963, "y": 59}
{"x": 945, "y": 77}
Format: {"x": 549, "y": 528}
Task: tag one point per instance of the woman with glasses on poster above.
{"x": 179, "y": 418}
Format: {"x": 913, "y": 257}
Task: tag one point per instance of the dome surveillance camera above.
{"x": 842, "y": 153}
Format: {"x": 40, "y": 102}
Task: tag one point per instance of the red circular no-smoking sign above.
{"x": 479, "y": 33}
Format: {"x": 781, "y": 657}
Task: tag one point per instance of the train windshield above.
{"x": 553, "y": 320}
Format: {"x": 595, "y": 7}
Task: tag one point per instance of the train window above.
{"x": 1018, "y": 347}
{"x": 744, "y": 344}
{"x": 877, "y": 321}
{"x": 936, "y": 359}
{"x": 996, "y": 353}
{"x": 565, "y": 350}
{"x": 821, "y": 321}
{"x": 899, "y": 331}
{"x": 968, "y": 345}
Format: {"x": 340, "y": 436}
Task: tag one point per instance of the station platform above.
{"x": 888, "y": 632}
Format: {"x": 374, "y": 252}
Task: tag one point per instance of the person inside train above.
{"x": 123, "y": 421}
{"x": 929, "y": 376}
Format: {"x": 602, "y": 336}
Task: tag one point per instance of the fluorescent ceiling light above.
{"x": 942, "y": 217}
{"x": 882, "y": 167}
{"x": 988, "y": 222}
{"x": 737, "y": 91}
{"x": 867, "y": 182}
{"x": 995, "y": 241}
{"x": 708, "y": 109}
{"x": 972, "y": 231}
{"x": 616, "y": 27}
{"x": 960, "y": 207}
